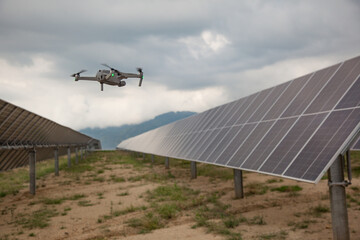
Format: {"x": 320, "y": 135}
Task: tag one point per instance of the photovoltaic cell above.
{"x": 294, "y": 130}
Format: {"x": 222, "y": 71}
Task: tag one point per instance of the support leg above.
{"x": 32, "y": 162}
{"x": 167, "y": 163}
{"x": 238, "y": 182}
{"x": 339, "y": 214}
{"x": 56, "y": 153}
{"x": 193, "y": 170}
{"x": 143, "y": 155}
{"x": 152, "y": 159}
{"x": 81, "y": 153}
{"x": 76, "y": 156}
{"x": 69, "y": 157}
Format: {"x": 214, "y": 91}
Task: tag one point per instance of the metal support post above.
{"x": 339, "y": 216}
{"x": 238, "y": 182}
{"x": 143, "y": 156}
{"x": 76, "y": 156}
{"x": 69, "y": 157}
{"x": 152, "y": 158}
{"x": 81, "y": 153}
{"x": 56, "y": 153}
{"x": 32, "y": 162}
{"x": 167, "y": 163}
{"x": 193, "y": 170}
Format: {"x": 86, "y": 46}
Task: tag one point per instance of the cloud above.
{"x": 195, "y": 54}
{"x": 206, "y": 44}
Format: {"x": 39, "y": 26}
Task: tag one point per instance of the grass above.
{"x": 286, "y": 188}
{"x": 116, "y": 179}
{"x": 146, "y": 224}
{"x": 171, "y": 193}
{"x": 277, "y": 235}
{"x": 37, "y": 219}
{"x": 215, "y": 172}
{"x": 60, "y": 200}
{"x": 256, "y": 188}
{"x": 85, "y": 203}
{"x": 319, "y": 210}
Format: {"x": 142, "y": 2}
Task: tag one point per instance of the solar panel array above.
{"x": 293, "y": 130}
{"x": 21, "y": 130}
{"x": 356, "y": 146}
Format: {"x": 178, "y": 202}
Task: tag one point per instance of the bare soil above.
{"x": 302, "y": 214}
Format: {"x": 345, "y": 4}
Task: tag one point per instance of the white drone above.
{"x": 111, "y": 77}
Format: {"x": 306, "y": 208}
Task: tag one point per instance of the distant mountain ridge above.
{"x": 110, "y": 137}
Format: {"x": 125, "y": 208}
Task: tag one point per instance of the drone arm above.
{"x": 86, "y": 78}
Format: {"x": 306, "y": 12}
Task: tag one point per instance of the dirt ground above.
{"x": 111, "y": 197}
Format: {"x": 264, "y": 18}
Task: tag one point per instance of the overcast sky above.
{"x": 195, "y": 54}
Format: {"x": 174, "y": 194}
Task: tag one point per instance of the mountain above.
{"x": 110, "y": 137}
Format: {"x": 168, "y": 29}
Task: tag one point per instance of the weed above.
{"x": 76, "y": 197}
{"x": 100, "y": 195}
{"x": 286, "y": 188}
{"x": 319, "y": 210}
{"x": 274, "y": 180}
{"x": 98, "y": 179}
{"x": 32, "y": 235}
{"x": 301, "y": 225}
{"x": 171, "y": 193}
{"x": 217, "y": 172}
{"x": 146, "y": 224}
{"x": 278, "y": 235}
{"x": 167, "y": 211}
{"x": 257, "y": 220}
{"x": 85, "y": 203}
{"x": 117, "y": 179}
{"x": 123, "y": 194}
{"x": 100, "y": 171}
{"x": 53, "y": 201}
{"x": 231, "y": 222}
{"x": 38, "y": 219}
{"x": 256, "y": 188}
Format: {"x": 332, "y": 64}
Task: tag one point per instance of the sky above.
{"x": 195, "y": 55}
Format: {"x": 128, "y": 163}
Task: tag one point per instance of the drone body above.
{"x": 111, "y": 77}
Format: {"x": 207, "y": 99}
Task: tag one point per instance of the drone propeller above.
{"x": 78, "y": 73}
{"x": 112, "y": 70}
{"x": 141, "y": 76}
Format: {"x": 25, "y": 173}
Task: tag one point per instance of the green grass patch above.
{"x": 274, "y": 180}
{"x": 282, "y": 235}
{"x": 37, "y": 219}
{"x": 146, "y": 224}
{"x": 168, "y": 210}
{"x": 319, "y": 210}
{"x": 215, "y": 172}
{"x": 171, "y": 193}
{"x": 85, "y": 203}
{"x": 286, "y": 188}
{"x": 256, "y": 188}
{"x": 116, "y": 179}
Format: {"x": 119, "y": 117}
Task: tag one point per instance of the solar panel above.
{"x": 21, "y": 130}
{"x": 293, "y": 130}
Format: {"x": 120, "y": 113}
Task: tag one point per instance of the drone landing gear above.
{"x": 102, "y": 86}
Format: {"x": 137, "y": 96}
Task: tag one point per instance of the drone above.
{"x": 111, "y": 77}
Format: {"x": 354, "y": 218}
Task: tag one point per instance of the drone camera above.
{"x": 122, "y": 83}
